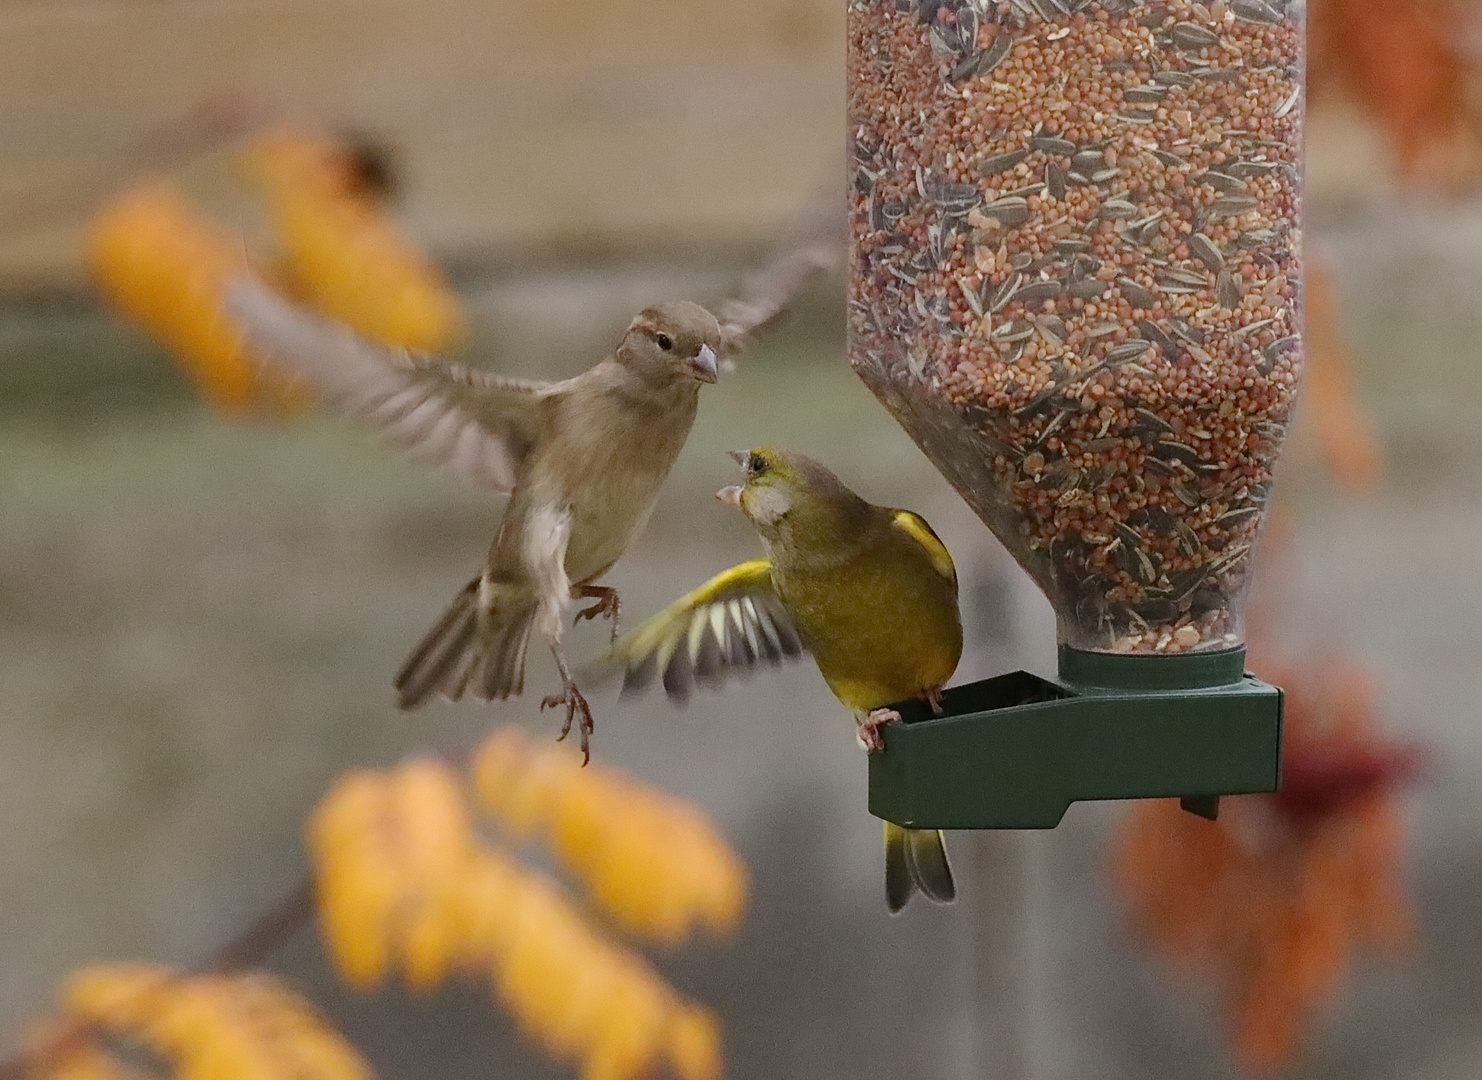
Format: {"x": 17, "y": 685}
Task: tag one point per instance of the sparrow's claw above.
{"x": 869, "y": 728}
{"x": 608, "y": 606}
{"x": 933, "y": 698}
{"x": 576, "y": 707}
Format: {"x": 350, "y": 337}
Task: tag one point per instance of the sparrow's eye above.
{"x": 665, "y": 342}
{"x": 756, "y": 465}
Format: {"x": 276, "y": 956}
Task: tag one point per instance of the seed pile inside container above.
{"x": 1075, "y": 281}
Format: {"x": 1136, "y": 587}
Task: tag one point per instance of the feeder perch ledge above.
{"x": 1013, "y": 752}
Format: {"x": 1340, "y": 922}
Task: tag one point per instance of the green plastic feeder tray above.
{"x": 1013, "y": 752}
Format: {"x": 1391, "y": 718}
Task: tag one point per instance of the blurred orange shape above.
{"x": 694, "y": 1045}
{"x": 1272, "y": 901}
{"x": 345, "y": 254}
{"x": 655, "y": 864}
{"x": 215, "y": 1027}
{"x": 1345, "y": 433}
{"x": 162, "y": 265}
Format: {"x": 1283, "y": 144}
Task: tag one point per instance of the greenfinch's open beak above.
{"x": 705, "y": 365}
{"x": 740, "y": 457}
{"x": 731, "y": 496}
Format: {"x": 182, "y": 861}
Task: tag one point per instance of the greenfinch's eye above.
{"x": 757, "y": 465}
{"x": 665, "y": 342}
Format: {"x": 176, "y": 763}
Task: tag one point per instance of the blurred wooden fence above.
{"x": 521, "y": 125}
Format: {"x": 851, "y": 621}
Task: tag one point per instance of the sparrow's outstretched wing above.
{"x": 477, "y": 425}
{"x": 730, "y": 625}
{"x": 814, "y": 244}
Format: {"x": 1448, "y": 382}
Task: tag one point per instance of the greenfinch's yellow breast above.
{"x": 883, "y": 625}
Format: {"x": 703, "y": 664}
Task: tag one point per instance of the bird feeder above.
{"x": 1075, "y": 282}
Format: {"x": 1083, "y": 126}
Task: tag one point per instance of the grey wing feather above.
{"x": 815, "y": 244}
{"x": 477, "y": 425}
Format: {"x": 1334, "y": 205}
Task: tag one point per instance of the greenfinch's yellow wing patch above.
{"x": 918, "y": 530}
{"x": 729, "y": 625}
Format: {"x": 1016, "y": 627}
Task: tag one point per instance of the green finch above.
{"x": 582, "y": 460}
{"x": 869, "y": 591}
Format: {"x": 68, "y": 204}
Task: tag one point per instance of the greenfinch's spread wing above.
{"x": 728, "y": 626}
{"x": 477, "y": 425}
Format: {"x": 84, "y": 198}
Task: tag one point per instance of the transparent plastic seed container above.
{"x": 1075, "y": 280}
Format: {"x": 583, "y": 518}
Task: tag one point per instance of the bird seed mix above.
{"x": 1075, "y": 279}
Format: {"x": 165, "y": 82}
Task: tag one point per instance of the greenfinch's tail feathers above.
{"x": 916, "y": 859}
{"x": 469, "y": 649}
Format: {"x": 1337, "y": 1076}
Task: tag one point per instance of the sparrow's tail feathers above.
{"x": 476, "y": 645}
{"x": 916, "y": 859}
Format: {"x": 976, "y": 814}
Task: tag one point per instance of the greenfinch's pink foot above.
{"x": 868, "y": 732}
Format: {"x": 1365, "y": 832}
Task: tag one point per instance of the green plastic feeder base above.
{"x": 1013, "y": 752}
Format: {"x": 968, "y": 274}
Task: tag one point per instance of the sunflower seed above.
{"x": 1185, "y": 332}
{"x": 1123, "y": 351}
{"x": 1186, "y": 493}
{"x": 1256, "y": 238}
{"x": 1038, "y": 291}
{"x": 1144, "y": 95}
{"x": 1173, "y": 161}
{"x": 1169, "y": 450}
{"x": 1136, "y": 116}
{"x": 1191, "y": 37}
{"x": 1117, "y": 208}
{"x": 1139, "y": 296}
{"x": 1230, "y": 518}
{"x": 1052, "y": 144}
{"x": 993, "y": 55}
{"x": 970, "y": 294}
{"x": 1018, "y": 330}
{"x": 1087, "y": 161}
{"x": 1051, "y": 328}
{"x": 1086, "y": 288}
{"x": 1289, "y": 104}
{"x": 1054, "y": 181}
{"x": 1010, "y": 211}
{"x": 1178, "y": 276}
{"x": 1172, "y": 78}
{"x": 967, "y": 27}
{"x": 1215, "y": 74}
{"x": 1222, "y": 182}
{"x": 1246, "y": 169}
{"x": 992, "y": 166}
{"x": 1071, "y": 246}
{"x": 1151, "y": 422}
{"x": 1227, "y": 290}
{"x": 956, "y": 199}
{"x": 1151, "y": 331}
{"x": 1206, "y": 251}
{"x": 1254, "y": 11}
{"x": 1101, "y": 329}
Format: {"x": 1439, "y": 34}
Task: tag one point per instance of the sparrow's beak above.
{"x": 706, "y": 366}
{"x": 731, "y": 496}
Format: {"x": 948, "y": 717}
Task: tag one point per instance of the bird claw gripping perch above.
{"x": 868, "y": 735}
{"x": 869, "y": 729}
{"x": 608, "y": 606}
{"x": 576, "y": 706}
